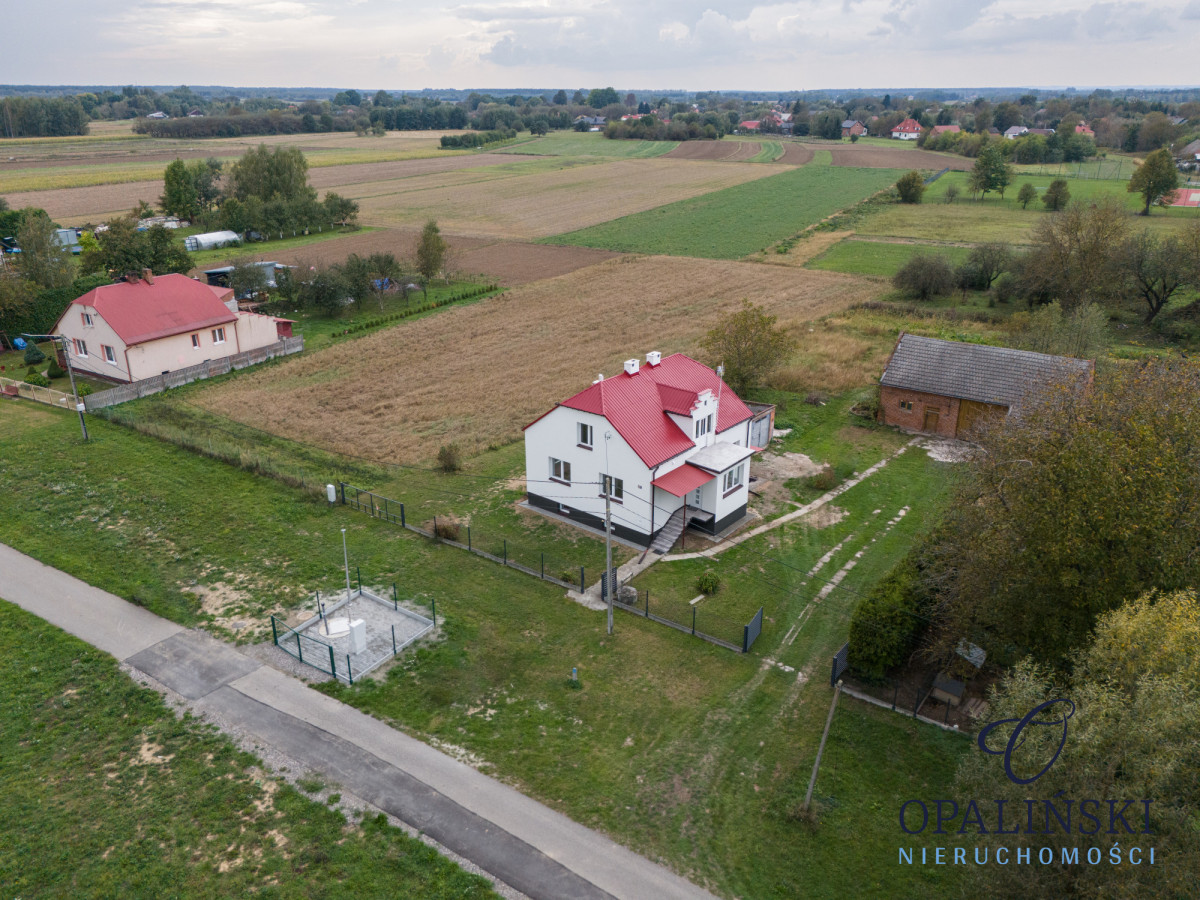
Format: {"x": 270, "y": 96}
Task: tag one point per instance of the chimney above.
{"x": 653, "y": 358}
{"x": 147, "y": 276}
{"x": 631, "y": 367}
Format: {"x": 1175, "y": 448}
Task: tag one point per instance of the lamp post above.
{"x": 66, "y": 352}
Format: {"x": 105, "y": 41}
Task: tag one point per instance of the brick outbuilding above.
{"x": 946, "y": 387}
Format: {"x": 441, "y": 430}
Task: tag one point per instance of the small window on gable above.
{"x": 703, "y": 426}
{"x": 87, "y": 320}
{"x": 585, "y": 434}
{"x": 195, "y": 342}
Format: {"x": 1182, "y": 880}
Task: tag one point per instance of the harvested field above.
{"x": 542, "y": 197}
{"x": 77, "y": 205}
{"x": 866, "y": 156}
{"x": 795, "y": 155}
{"x": 724, "y": 151}
{"x": 412, "y": 388}
{"x": 505, "y": 262}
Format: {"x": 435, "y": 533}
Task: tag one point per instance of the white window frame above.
{"x": 586, "y": 434}
{"x": 734, "y": 478}
{"x": 612, "y": 487}
{"x": 218, "y": 335}
{"x": 80, "y": 347}
{"x": 110, "y": 354}
{"x": 704, "y": 426}
{"x": 196, "y": 341}
{"x": 560, "y": 470}
{"x": 87, "y": 320}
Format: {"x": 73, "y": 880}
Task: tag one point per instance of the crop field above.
{"x": 541, "y": 197}
{"x": 884, "y": 258}
{"x": 894, "y": 156}
{"x": 723, "y": 150}
{"x": 737, "y": 221}
{"x": 575, "y": 143}
{"x": 409, "y": 389}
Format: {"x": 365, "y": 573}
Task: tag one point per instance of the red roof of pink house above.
{"x": 1083, "y": 129}
{"x": 682, "y": 480}
{"x": 139, "y": 312}
{"x": 750, "y": 124}
{"x": 946, "y": 129}
{"x": 908, "y": 126}
{"x": 638, "y": 405}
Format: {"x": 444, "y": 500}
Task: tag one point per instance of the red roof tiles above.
{"x": 679, "y": 482}
{"x": 174, "y": 304}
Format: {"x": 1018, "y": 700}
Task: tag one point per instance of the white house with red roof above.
{"x": 136, "y": 329}
{"x": 908, "y": 130}
{"x": 669, "y": 442}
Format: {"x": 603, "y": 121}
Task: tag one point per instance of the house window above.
{"x": 87, "y": 320}
{"x": 733, "y": 478}
{"x": 195, "y": 342}
{"x": 585, "y": 435}
{"x": 110, "y": 355}
{"x": 80, "y": 347}
{"x": 906, "y": 404}
{"x": 704, "y": 426}
{"x": 614, "y": 488}
{"x": 560, "y": 470}
{"x": 218, "y": 336}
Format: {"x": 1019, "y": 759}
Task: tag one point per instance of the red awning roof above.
{"x": 686, "y": 478}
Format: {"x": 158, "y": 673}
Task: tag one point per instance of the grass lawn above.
{"x": 577, "y": 143}
{"x": 682, "y": 751}
{"x": 879, "y": 258}
{"x": 109, "y": 794}
{"x": 1001, "y": 219}
{"x": 736, "y": 221}
{"x": 264, "y": 249}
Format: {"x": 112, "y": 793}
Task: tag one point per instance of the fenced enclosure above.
{"x": 502, "y": 550}
{"x": 28, "y": 391}
{"x": 180, "y": 377}
{"x": 390, "y": 628}
{"x": 691, "y": 619}
{"x": 1119, "y": 169}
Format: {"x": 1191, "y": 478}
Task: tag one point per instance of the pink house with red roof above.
{"x": 908, "y": 130}
{"x": 136, "y": 329}
{"x": 668, "y": 442}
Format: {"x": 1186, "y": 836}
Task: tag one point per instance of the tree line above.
{"x": 42, "y": 117}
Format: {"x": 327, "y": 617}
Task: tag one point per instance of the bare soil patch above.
{"x": 713, "y": 150}
{"x": 796, "y": 155}
{"x": 511, "y": 264}
{"x": 874, "y": 157}
{"x": 477, "y": 374}
{"x": 78, "y": 206}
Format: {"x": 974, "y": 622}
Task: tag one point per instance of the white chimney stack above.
{"x": 631, "y": 367}
{"x": 653, "y": 358}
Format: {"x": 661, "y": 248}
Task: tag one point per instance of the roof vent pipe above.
{"x": 631, "y": 367}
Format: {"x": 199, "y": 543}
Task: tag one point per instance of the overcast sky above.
{"x": 731, "y": 44}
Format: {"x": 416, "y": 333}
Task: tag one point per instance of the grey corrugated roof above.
{"x": 973, "y": 371}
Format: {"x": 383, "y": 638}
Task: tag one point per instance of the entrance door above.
{"x": 931, "y": 420}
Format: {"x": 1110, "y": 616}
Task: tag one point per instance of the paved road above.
{"x": 532, "y": 848}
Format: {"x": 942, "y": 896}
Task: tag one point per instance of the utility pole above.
{"x": 812, "y": 781}
{"x": 66, "y": 352}
{"x": 608, "y": 579}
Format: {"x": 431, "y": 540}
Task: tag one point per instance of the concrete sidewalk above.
{"x": 519, "y": 841}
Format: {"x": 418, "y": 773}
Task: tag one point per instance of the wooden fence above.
{"x": 33, "y": 392}
{"x": 180, "y": 377}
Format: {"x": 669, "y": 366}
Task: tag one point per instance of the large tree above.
{"x": 1084, "y": 499}
{"x": 279, "y": 174}
{"x": 43, "y": 260}
{"x": 1071, "y": 255}
{"x": 749, "y": 345}
{"x": 431, "y": 251}
{"x": 1155, "y": 179}
{"x": 122, "y": 249}
{"x": 599, "y": 98}
{"x": 1157, "y": 268}
{"x": 991, "y": 171}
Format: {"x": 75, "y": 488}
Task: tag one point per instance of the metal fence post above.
{"x": 372, "y": 496}
{"x": 274, "y": 633}
{"x": 506, "y": 551}
{"x": 468, "y": 537}
{"x": 433, "y": 603}
{"x": 647, "y": 603}
{"x": 393, "y": 640}
{"x": 332, "y": 666}
{"x": 401, "y": 515}
{"x": 343, "y": 484}
{"x": 349, "y": 669}
{"x": 543, "y": 565}
{"x": 435, "y": 531}
{"x": 693, "y": 621}
{"x": 395, "y": 597}
{"x": 385, "y": 507}
{"x": 299, "y": 648}
{"x": 582, "y": 586}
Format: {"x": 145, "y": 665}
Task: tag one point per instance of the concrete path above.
{"x": 522, "y": 843}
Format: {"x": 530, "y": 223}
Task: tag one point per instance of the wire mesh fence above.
{"x": 691, "y": 618}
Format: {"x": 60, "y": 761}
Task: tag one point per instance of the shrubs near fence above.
{"x": 888, "y": 621}
{"x": 380, "y": 321}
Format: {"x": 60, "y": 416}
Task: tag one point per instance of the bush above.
{"x": 1005, "y": 288}
{"x": 54, "y": 370}
{"x": 446, "y": 529}
{"x": 34, "y": 355}
{"x": 911, "y": 187}
{"x": 84, "y": 389}
{"x": 887, "y": 622}
{"x": 816, "y": 398}
{"x": 925, "y": 276}
{"x": 36, "y": 378}
{"x": 450, "y": 458}
{"x": 824, "y": 480}
{"x": 708, "y": 582}
{"x": 951, "y": 192}
{"x": 1057, "y": 195}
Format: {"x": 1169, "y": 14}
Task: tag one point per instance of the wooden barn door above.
{"x": 931, "y": 421}
{"x": 972, "y": 414}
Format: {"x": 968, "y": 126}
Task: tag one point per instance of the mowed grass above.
{"x": 476, "y": 374}
{"x": 737, "y": 221}
{"x": 997, "y": 218}
{"x": 575, "y": 143}
{"x": 685, "y": 752}
{"x": 109, "y": 794}
{"x": 879, "y": 257}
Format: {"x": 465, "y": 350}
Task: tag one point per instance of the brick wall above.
{"x": 893, "y": 413}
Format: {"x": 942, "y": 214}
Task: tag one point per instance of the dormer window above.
{"x": 586, "y": 434}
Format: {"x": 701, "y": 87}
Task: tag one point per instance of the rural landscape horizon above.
{"x": 598, "y": 491}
